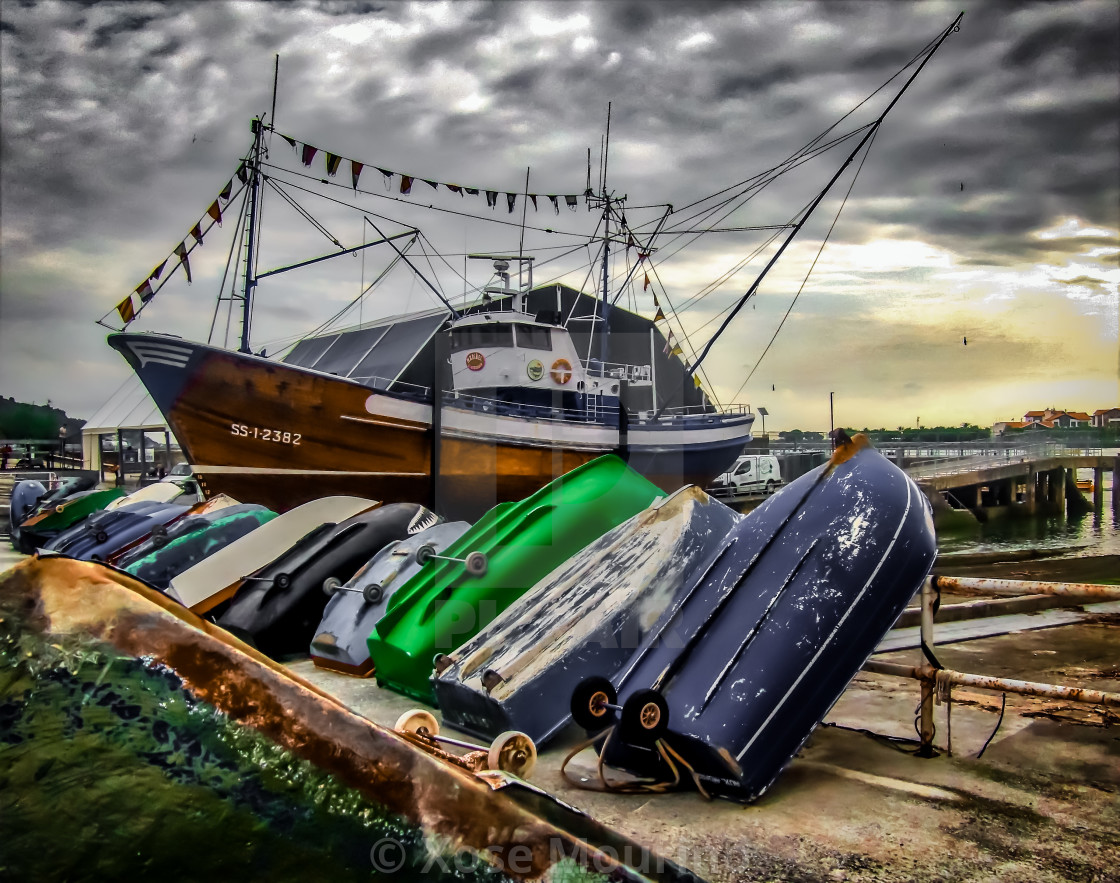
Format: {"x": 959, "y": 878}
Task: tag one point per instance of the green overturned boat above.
{"x": 489, "y": 567}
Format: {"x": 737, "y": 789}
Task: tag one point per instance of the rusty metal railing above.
{"x": 935, "y": 679}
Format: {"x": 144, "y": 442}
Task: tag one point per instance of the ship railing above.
{"x": 592, "y": 413}
{"x": 693, "y": 413}
{"x": 620, "y": 371}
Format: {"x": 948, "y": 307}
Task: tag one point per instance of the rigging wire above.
{"x": 812, "y": 266}
{"x": 232, "y": 259}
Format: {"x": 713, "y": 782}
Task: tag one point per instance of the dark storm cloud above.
{"x": 120, "y": 120}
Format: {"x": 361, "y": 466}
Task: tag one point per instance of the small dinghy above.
{"x": 341, "y": 641}
{"x": 24, "y": 498}
{"x": 277, "y": 607}
{"x": 730, "y": 686}
{"x": 208, "y": 583}
{"x": 104, "y": 534}
{"x": 54, "y": 515}
{"x": 197, "y": 536}
{"x": 587, "y": 617}
{"x": 494, "y": 563}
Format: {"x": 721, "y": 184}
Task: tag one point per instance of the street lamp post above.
{"x": 763, "y": 413}
{"x": 831, "y": 421}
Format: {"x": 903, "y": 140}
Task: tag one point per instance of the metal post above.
{"x": 1115, "y": 486}
{"x": 928, "y": 672}
{"x": 1098, "y": 489}
{"x": 831, "y": 422}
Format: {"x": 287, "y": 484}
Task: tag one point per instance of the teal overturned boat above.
{"x": 489, "y": 567}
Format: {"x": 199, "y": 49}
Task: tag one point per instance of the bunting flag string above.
{"x": 128, "y": 309}
{"x": 660, "y": 316}
{"x": 307, "y": 153}
{"x": 645, "y": 285}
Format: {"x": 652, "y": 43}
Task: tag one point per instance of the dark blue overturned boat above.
{"x": 166, "y": 554}
{"x": 103, "y": 534}
{"x": 25, "y": 497}
{"x": 728, "y": 688}
{"x": 277, "y": 607}
{"x": 587, "y": 617}
{"x": 341, "y": 640}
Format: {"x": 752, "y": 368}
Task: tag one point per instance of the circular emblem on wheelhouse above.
{"x": 476, "y": 361}
{"x": 535, "y": 369}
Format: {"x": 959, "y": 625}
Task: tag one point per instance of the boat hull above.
{"x": 280, "y": 435}
{"x": 586, "y": 618}
{"x": 445, "y": 604}
{"x": 764, "y": 644}
{"x": 341, "y": 640}
{"x": 170, "y": 749}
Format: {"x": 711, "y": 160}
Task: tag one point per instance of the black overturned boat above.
{"x": 729, "y": 686}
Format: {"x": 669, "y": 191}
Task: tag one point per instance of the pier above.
{"x": 1038, "y": 479}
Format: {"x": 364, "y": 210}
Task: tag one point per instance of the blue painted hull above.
{"x": 786, "y": 614}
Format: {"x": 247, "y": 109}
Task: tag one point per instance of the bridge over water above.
{"x": 1038, "y": 478}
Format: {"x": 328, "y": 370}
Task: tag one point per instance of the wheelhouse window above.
{"x": 533, "y": 337}
{"x": 474, "y": 337}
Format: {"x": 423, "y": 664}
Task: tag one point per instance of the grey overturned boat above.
{"x": 340, "y": 641}
{"x": 728, "y": 688}
{"x": 587, "y": 617}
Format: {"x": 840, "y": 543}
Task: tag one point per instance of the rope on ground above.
{"x": 1002, "y": 707}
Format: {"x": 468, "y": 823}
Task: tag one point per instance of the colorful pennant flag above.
{"x": 242, "y": 173}
{"x": 454, "y": 188}
{"x": 533, "y": 197}
{"x": 473, "y": 191}
{"x": 511, "y": 200}
{"x": 660, "y": 316}
{"x": 127, "y": 311}
{"x": 406, "y": 183}
{"x": 226, "y": 191}
{"x": 642, "y": 255}
{"x": 696, "y": 380}
{"x": 215, "y": 212}
{"x": 181, "y": 251}
{"x": 144, "y": 289}
{"x": 433, "y": 184}
{"x": 309, "y": 154}
{"x": 155, "y": 274}
{"x": 196, "y": 232}
{"x": 355, "y": 170}
{"x": 676, "y": 351}
{"x": 668, "y": 343}
{"x": 332, "y": 163}
{"x": 491, "y": 198}
{"x": 645, "y": 284}
{"x": 555, "y": 203}
{"x": 291, "y": 141}
{"x": 571, "y": 202}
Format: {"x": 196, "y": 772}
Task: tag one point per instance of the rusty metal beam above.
{"x": 1002, "y": 685}
{"x": 1026, "y": 587}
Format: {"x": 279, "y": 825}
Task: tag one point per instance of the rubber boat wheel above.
{"x": 645, "y": 716}
{"x": 159, "y": 540}
{"x": 101, "y": 536}
{"x": 424, "y": 554}
{"x": 331, "y": 585}
{"x": 418, "y": 721}
{"x": 476, "y": 564}
{"x": 512, "y": 752}
{"x": 589, "y": 703}
{"x": 373, "y": 593}
{"x": 281, "y": 580}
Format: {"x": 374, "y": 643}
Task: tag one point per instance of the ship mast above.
{"x": 251, "y": 234}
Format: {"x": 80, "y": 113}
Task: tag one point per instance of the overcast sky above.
{"x": 988, "y": 207}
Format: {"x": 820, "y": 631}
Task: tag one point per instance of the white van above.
{"x": 751, "y": 474}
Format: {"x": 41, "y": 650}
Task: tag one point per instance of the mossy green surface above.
{"x": 110, "y": 769}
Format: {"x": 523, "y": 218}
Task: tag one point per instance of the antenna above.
{"x": 524, "y": 209}
{"x": 275, "y": 80}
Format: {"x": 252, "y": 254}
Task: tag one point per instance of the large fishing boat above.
{"x": 466, "y": 404}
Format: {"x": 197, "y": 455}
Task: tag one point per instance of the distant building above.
{"x": 1053, "y": 417}
{"x": 1105, "y": 417}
